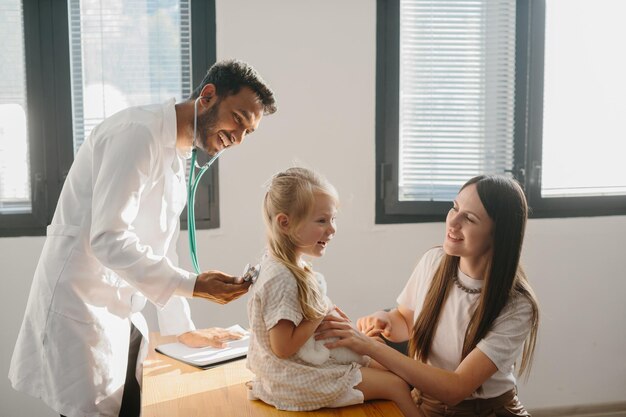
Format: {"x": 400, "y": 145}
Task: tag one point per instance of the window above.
{"x": 76, "y": 64}
{"x": 459, "y": 93}
{"x": 15, "y": 187}
{"x": 24, "y": 94}
{"x": 114, "y": 65}
{"x": 574, "y": 103}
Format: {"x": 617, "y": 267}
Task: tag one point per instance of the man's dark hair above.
{"x": 230, "y": 76}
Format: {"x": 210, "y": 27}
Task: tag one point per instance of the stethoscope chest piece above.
{"x": 251, "y": 273}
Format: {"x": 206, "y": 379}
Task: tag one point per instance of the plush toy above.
{"x": 314, "y": 352}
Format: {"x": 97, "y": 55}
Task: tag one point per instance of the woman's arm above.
{"x": 449, "y": 387}
{"x": 286, "y": 338}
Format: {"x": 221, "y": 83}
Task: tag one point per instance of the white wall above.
{"x": 319, "y": 56}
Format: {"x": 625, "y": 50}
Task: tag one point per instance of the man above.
{"x": 112, "y": 245}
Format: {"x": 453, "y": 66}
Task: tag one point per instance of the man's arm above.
{"x": 221, "y": 288}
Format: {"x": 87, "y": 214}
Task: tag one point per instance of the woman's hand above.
{"x": 375, "y": 325}
{"x": 215, "y": 337}
{"x": 348, "y": 336}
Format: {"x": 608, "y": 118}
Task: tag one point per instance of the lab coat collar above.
{"x": 169, "y": 123}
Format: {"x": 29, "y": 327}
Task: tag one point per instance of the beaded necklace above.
{"x": 464, "y": 288}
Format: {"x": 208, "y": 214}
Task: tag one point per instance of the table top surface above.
{"x": 171, "y": 388}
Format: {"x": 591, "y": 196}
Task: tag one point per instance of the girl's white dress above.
{"x": 291, "y": 384}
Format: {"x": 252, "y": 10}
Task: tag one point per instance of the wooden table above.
{"x": 174, "y": 389}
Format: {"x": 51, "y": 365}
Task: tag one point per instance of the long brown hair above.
{"x": 505, "y": 203}
{"x": 292, "y": 192}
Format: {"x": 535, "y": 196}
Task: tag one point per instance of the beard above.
{"x": 206, "y": 128}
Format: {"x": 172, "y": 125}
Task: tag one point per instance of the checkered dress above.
{"x": 289, "y": 384}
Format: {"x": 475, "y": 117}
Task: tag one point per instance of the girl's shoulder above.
{"x": 274, "y": 273}
{"x": 273, "y": 265}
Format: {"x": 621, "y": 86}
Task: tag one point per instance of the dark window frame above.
{"x": 49, "y": 112}
{"x": 530, "y": 22}
{"x": 203, "y": 26}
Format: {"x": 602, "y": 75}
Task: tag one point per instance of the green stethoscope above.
{"x": 250, "y": 272}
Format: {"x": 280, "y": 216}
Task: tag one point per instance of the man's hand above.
{"x": 215, "y": 337}
{"x": 219, "y": 287}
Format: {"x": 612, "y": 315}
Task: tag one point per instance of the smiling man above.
{"x": 226, "y": 112}
{"x": 112, "y": 245}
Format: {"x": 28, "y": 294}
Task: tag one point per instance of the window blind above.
{"x": 457, "y": 78}
{"x": 15, "y": 195}
{"x": 126, "y": 53}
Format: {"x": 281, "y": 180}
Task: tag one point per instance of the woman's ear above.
{"x": 282, "y": 220}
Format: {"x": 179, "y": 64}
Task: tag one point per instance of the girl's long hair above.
{"x": 505, "y": 203}
{"x": 292, "y": 192}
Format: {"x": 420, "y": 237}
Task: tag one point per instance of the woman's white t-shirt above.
{"x": 504, "y": 342}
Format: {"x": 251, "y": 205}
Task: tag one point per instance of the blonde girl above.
{"x": 287, "y": 304}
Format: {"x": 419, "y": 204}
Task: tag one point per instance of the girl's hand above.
{"x": 375, "y": 325}
{"x": 348, "y": 336}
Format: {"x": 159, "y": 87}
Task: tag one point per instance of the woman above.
{"x": 468, "y": 310}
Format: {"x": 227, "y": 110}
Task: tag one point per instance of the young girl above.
{"x": 287, "y": 304}
{"x": 468, "y": 310}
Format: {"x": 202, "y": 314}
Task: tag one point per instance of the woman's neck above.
{"x": 475, "y": 268}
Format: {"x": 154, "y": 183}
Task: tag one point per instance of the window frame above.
{"x": 530, "y": 23}
{"x": 203, "y": 55}
{"x": 49, "y": 112}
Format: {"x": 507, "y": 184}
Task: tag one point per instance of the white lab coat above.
{"x": 111, "y": 245}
